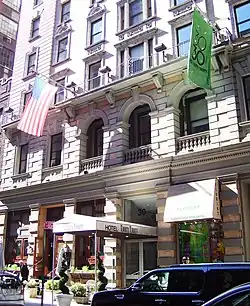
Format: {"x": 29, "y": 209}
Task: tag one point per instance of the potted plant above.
{"x": 64, "y": 298}
{"x": 32, "y": 285}
{"x": 102, "y": 280}
{"x": 79, "y": 292}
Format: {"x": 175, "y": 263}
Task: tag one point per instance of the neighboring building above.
{"x": 9, "y": 18}
{"x": 126, "y": 132}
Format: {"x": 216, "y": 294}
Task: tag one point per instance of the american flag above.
{"x": 33, "y": 118}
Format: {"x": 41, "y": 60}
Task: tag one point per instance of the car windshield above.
{"x": 9, "y": 282}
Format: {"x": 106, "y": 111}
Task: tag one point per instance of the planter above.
{"x": 64, "y": 299}
{"x": 33, "y": 292}
{"x": 81, "y": 299}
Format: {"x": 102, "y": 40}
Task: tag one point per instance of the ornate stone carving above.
{"x": 62, "y": 29}
{"x": 110, "y": 96}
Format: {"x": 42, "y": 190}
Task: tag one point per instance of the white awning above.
{"x": 104, "y": 227}
{"x": 193, "y": 201}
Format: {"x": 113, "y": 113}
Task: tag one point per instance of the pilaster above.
{"x": 113, "y": 248}
{"x": 3, "y": 224}
{"x": 167, "y": 239}
{"x": 36, "y": 219}
{"x": 70, "y": 207}
{"x": 72, "y": 151}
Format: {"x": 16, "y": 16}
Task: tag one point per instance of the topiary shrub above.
{"x": 102, "y": 280}
{"x": 63, "y": 266}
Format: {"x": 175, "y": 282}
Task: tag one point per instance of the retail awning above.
{"x": 193, "y": 201}
{"x": 76, "y": 224}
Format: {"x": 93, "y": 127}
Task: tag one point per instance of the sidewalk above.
{"x": 47, "y": 301}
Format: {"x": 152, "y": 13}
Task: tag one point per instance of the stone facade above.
{"x": 122, "y": 173}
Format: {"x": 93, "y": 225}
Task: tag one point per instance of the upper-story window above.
{"x": 27, "y": 96}
{"x": 183, "y": 37}
{"x": 138, "y": 10}
{"x": 65, "y": 12}
{"x": 23, "y": 158}
{"x": 96, "y": 31}
{"x": 95, "y": 139}
{"x": 94, "y": 75}
{"x": 243, "y": 18}
{"x": 140, "y": 127}
{"x": 135, "y": 12}
{"x": 31, "y": 63}
{"x": 60, "y": 94}
{"x": 56, "y": 150}
{"x": 194, "y": 113}
{"x": 62, "y": 53}
{"x": 35, "y": 27}
{"x": 136, "y": 55}
{"x": 246, "y": 86}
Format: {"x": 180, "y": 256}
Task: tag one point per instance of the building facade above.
{"x": 128, "y": 137}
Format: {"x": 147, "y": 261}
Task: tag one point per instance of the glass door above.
{"x": 140, "y": 257}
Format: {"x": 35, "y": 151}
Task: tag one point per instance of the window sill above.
{"x": 37, "y": 5}
{"x": 103, "y": 41}
{"x": 29, "y": 76}
{"x": 34, "y": 38}
{"x": 20, "y": 176}
{"x": 50, "y": 169}
{"x": 61, "y": 62}
{"x": 180, "y": 6}
{"x": 130, "y": 28}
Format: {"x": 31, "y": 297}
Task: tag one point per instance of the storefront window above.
{"x": 201, "y": 242}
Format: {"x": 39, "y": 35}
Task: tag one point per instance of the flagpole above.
{"x": 54, "y": 82}
{"x": 203, "y": 14}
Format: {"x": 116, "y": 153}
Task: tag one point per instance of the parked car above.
{"x": 11, "y": 292}
{"x": 188, "y": 284}
{"x": 237, "y": 296}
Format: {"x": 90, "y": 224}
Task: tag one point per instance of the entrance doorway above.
{"x": 140, "y": 257}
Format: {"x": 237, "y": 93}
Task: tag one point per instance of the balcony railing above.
{"x": 136, "y": 155}
{"x": 193, "y": 142}
{"x": 11, "y": 117}
{"x": 92, "y": 164}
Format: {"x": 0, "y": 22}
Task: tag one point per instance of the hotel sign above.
{"x": 121, "y": 228}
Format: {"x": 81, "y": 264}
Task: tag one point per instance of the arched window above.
{"x": 140, "y": 127}
{"x": 95, "y": 139}
{"x": 193, "y": 113}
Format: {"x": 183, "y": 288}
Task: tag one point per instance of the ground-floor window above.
{"x": 201, "y": 242}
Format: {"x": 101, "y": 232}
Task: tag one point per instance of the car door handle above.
{"x": 198, "y": 301}
{"x": 160, "y": 301}
{"x": 119, "y": 296}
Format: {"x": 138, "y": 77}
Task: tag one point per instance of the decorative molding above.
{"x": 135, "y": 91}
{"x": 69, "y": 202}
{"x": 34, "y": 206}
{"x": 55, "y": 127}
{"x": 110, "y": 96}
{"x": 182, "y": 8}
{"x": 96, "y": 11}
{"x": 158, "y": 81}
{"x": 63, "y": 29}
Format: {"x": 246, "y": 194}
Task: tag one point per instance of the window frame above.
{"x": 33, "y": 30}
{"x": 97, "y": 78}
{"x": 30, "y": 65}
{"x": 54, "y": 150}
{"x": 58, "y": 60}
{"x": 37, "y": 2}
{"x": 92, "y": 35}
{"x": 61, "y": 81}
{"x": 26, "y": 75}
{"x": 131, "y": 24}
{"x": 236, "y": 19}
{"x": 182, "y": 43}
{"x": 92, "y": 141}
{"x": 25, "y": 99}
{"x": 66, "y": 4}
{"x": 20, "y": 158}
{"x": 185, "y": 112}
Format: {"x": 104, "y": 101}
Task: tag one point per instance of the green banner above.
{"x": 200, "y": 51}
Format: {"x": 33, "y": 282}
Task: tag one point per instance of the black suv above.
{"x": 183, "y": 285}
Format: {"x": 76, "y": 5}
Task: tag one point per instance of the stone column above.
{"x": 36, "y": 220}
{"x": 116, "y": 143}
{"x": 167, "y": 239}
{"x": 70, "y": 207}
{"x": 126, "y": 62}
{"x": 113, "y": 247}
{"x": 145, "y": 9}
{"x": 173, "y": 129}
{"x": 73, "y": 151}
{"x": 126, "y": 15}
